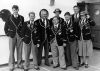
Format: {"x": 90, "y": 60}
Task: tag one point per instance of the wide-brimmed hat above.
{"x": 57, "y": 10}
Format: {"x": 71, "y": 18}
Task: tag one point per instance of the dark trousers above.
{"x": 68, "y": 55}
{"x": 46, "y": 51}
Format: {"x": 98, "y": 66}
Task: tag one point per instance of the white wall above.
{"x": 25, "y": 7}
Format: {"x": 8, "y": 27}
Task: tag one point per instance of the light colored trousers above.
{"x": 58, "y": 54}
{"x": 28, "y": 48}
{"x": 74, "y": 53}
{"x": 17, "y": 43}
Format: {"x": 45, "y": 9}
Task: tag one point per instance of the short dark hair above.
{"x": 67, "y": 13}
{"x": 31, "y": 13}
{"x": 76, "y": 6}
{"x": 15, "y": 7}
{"x": 55, "y": 17}
{"x": 43, "y": 10}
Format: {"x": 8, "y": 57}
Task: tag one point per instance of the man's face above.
{"x": 67, "y": 17}
{"x": 55, "y": 21}
{"x": 57, "y": 14}
{"x": 44, "y": 14}
{"x": 32, "y": 17}
{"x": 15, "y": 11}
{"x": 83, "y": 17}
{"x": 76, "y": 10}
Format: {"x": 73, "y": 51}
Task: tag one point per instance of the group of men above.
{"x": 55, "y": 33}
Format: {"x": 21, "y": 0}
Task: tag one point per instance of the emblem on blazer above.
{"x": 59, "y": 33}
{"x": 35, "y": 31}
{"x": 71, "y": 30}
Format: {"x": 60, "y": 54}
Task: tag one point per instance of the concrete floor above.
{"x": 94, "y": 65}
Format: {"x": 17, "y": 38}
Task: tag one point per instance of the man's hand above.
{"x": 28, "y": 25}
{"x": 64, "y": 44}
{"x": 88, "y": 16}
{"x": 38, "y": 45}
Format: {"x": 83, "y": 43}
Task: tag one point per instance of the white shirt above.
{"x": 15, "y": 16}
{"x": 56, "y": 26}
{"x": 45, "y": 22}
{"x": 68, "y": 21}
{"x": 31, "y": 22}
{"x": 76, "y": 15}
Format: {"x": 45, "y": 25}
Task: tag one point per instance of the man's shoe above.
{"x": 80, "y": 65}
{"x": 86, "y": 65}
{"x": 47, "y": 64}
{"x": 25, "y": 69}
{"x": 20, "y": 66}
{"x": 51, "y": 62}
{"x": 36, "y": 67}
{"x": 76, "y": 68}
{"x": 11, "y": 69}
{"x": 64, "y": 68}
{"x": 39, "y": 63}
{"x": 55, "y": 66}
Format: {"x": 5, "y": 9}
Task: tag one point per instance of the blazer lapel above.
{"x": 41, "y": 23}
{"x": 12, "y": 19}
{"x": 47, "y": 23}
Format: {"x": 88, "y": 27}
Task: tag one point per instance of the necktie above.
{"x": 31, "y": 25}
{"x": 44, "y": 22}
{"x": 55, "y": 28}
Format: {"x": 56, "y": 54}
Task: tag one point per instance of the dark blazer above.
{"x": 70, "y": 31}
{"x": 86, "y": 30}
{"x": 59, "y": 35}
{"x": 29, "y": 34}
{"x": 42, "y": 31}
{"x": 75, "y": 25}
{"x": 13, "y": 26}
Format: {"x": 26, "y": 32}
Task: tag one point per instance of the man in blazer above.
{"x": 57, "y": 39}
{"x": 76, "y": 18}
{"x": 72, "y": 38}
{"x": 13, "y": 30}
{"x": 29, "y": 39}
{"x": 68, "y": 25}
{"x": 42, "y": 26}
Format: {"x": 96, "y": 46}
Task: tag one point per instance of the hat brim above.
{"x": 57, "y": 11}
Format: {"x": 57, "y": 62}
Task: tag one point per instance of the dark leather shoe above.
{"x": 64, "y": 68}
{"x": 51, "y": 62}
{"x": 80, "y": 65}
{"x": 55, "y": 66}
{"x": 25, "y": 69}
{"x": 20, "y": 66}
{"x": 47, "y": 64}
{"x": 11, "y": 69}
{"x": 36, "y": 67}
{"x": 39, "y": 64}
{"x": 76, "y": 68}
{"x": 86, "y": 65}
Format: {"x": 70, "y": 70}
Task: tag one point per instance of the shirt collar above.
{"x": 56, "y": 25}
{"x": 31, "y": 21}
{"x": 15, "y": 16}
{"x": 68, "y": 21}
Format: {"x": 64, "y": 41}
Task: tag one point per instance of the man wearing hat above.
{"x": 57, "y": 12}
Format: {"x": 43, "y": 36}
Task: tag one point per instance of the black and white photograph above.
{"x": 49, "y": 35}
